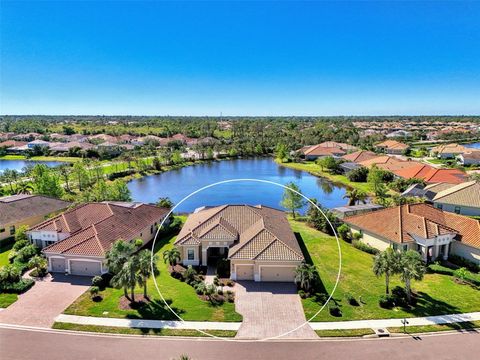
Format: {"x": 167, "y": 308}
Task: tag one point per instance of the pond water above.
{"x": 177, "y": 184}
{"x": 20, "y": 164}
{"x": 473, "y": 145}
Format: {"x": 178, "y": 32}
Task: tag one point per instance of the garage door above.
{"x": 244, "y": 272}
{"x": 57, "y": 265}
{"x": 272, "y": 273}
{"x": 85, "y": 268}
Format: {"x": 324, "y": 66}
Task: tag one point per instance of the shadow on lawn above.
{"x": 156, "y": 310}
{"x": 428, "y": 306}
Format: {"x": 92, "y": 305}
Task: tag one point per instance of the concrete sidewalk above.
{"x": 205, "y": 325}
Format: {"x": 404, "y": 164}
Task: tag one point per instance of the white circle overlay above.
{"x": 264, "y": 182}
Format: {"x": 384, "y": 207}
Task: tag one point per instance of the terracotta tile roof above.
{"x": 398, "y": 224}
{"x": 449, "y": 149}
{"x": 16, "y": 208}
{"x": 258, "y": 232}
{"x": 12, "y": 143}
{"x": 389, "y": 163}
{"x": 432, "y": 175}
{"x": 94, "y": 227}
{"x": 334, "y": 144}
{"x": 465, "y": 194}
{"x": 471, "y": 155}
{"x": 393, "y": 145}
{"x": 360, "y": 156}
{"x": 318, "y": 150}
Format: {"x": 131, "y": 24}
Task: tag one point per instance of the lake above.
{"x": 20, "y": 164}
{"x": 177, "y": 184}
{"x": 473, "y": 145}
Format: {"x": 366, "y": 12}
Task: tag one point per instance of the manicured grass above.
{"x": 437, "y": 294}
{"x": 7, "y": 299}
{"x": 131, "y": 331}
{"x": 470, "y": 325}
{"x": 180, "y": 296}
{"x": 41, "y": 158}
{"x": 5, "y": 248}
{"x": 344, "y": 333}
{"x": 316, "y": 170}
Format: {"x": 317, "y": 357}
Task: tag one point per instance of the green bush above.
{"x": 98, "y": 282}
{"x": 457, "y": 260}
{"x": 18, "y": 287}
{"x": 344, "y": 232}
{"x": 24, "y": 254}
{"x": 20, "y": 244}
{"x": 386, "y": 301}
{"x": 364, "y": 247}
{"x": 358, "y": 175}
{"x": 351, "y": 299}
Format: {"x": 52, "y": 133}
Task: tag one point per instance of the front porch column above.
{"x": 425, "y": 253}
{"x": 204, "y": 256}
{"x": 436, "y": 251}
{"x": 445, "y": 252}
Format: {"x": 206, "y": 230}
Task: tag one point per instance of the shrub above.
{"x": 98, "y": 282}
{"x": 457, "y": 260}
{"x": 386, "y": 301}
{"x": 335, "y": 311}
{"x": 358, "y": 175}
{"x": 9, "y": 274}
{"x": 302, "y": 294}
{"x": 357, "y": 236}
{"x": 189, "y": 275}
{"x": 220, "y": 292}
{"x": 364, "y": 247}
{"x": 94, "y": 290}
{"x": 400, "y": 296}
{"x": 461, "y": 273}
{"x": 351, "y": 300}
{"x": 11, "y": 256}
{"x": 344, "y": 232}
{"x": 20, "y": 244}
{"x": 223, "y": 268}
{"x": 21, "y": 233}
{"x": 18, "y": 287}
{"x": 216, "y": 281}
{"x": 24, "y": 254}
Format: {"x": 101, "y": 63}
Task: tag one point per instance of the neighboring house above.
{"x": 40, "y": 143}
{"x": 359, "y": 156}
{"x": 12, "y": 143}
{"x": 76, "y": 241}
{"x": 389, "y": 163}
{"x": 103, "y": 138}
{"x": 333, "y": 144}
{"x": 418, "y": 190}
{"x": 470, "y": 158}
{"x": 17, "y": 210}
{"x": 434, "y": 233}
{"x": 257, "y": 240}
{"x": 432, "y": 175}
{"x": 345, "y": 211}
{"x": 392, "y": 147}
{"x": 349, "y": 166}
{"x": 316, "y": 151}
{"x": 398, "y": 134}
{"x": 65, "y": 147}
{"x": 447, "y": 151}
{"x": 461, "y": 199}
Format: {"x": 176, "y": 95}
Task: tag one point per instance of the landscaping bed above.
{"x": 180, "y": 296}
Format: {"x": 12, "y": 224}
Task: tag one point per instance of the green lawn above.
{"x": 7, "y": 299}
{"x": 316, "y": 170}
{"x": 134, "y": 331}
{"x": 180, "y": 296}
{"x": 5, "y": 248}
{"x": 41, "y": 158}
{"x": 438, "y": 294}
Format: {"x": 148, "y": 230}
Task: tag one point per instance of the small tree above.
{"x": 21, "y": 233}
{"x": 305, "y": 276}
{"x": 172, "y": 257}
{"x": 94, "y": 291}
{"x": 355, "y": 196}
{"x": 38, "y": 264}
{"x": 387, "y": 263}
{"x": 165, "y": 202}
{"x": 146, "y": 266}
{"x": 344, "y": 232}
{"x": 412, "y": 268}
{"x": 292, "y": 200}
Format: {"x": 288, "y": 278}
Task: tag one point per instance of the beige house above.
{"x": 461, "y": 199}
{"x": 17, "y": 210}
{"x": 76, "y": 241}
{"x": 421, "y": 227}
{"x": 392, "y": 147}
{"x": 257, "y": 240}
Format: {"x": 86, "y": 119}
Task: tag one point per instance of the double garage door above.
{"x": 267, "y": 273}
{"x": 77, "y": 267}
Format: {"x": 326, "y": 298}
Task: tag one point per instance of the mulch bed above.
{"x": 125, "y": 304}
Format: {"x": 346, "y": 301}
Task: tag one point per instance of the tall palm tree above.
{"x": 127, "y": 277}
{"x": 355, "y": 196}
{"x": 387, "y": 263}
{"x": 412, "y": 268}
{"x": 305, "y": 276}
{"x": 119, "y": 254}
{"x": 172, "y": 256}
{"x": 146, "y": 265}
{"x": 24, "y": 188}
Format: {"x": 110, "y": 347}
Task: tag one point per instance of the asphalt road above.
{"x": 16, "y": 344}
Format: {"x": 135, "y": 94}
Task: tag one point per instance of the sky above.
{"x": 240, "y": 58}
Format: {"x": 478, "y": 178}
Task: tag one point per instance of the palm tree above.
{"x": 305, "y": 276}
{"x": 355, "y": 196}
{"x": 172, "y": 256}
{"x": 127, "y": 277}
{"x": 37, "y": 262}
{"x": 387, "y": 263}
{"x": 412, "y": 268}
{"x": 146, "y": 264}
{"x": 118, "y": 255}
{"x": 24, "y": 188}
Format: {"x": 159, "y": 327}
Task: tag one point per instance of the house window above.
{"x": 439, "y": 206}
{"x": 457, "y": 209}
{"x": 151, "y": 229}
{"x": 191, "y": 254}
{"x": 12, "y": 230}
{"x": 405, "y": 247}
{"x": 2, "y": 230}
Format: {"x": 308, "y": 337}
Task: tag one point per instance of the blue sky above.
{"x": 240, "y": 58}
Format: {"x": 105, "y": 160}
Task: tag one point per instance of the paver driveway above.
{"x": 270, "y": 310}
{"x": 45, "y": 300}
